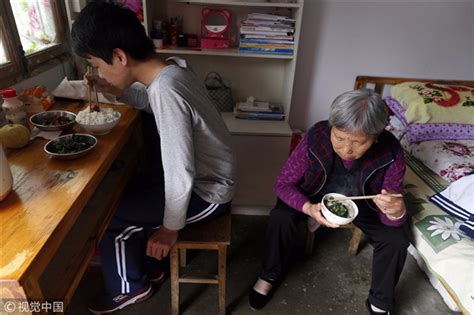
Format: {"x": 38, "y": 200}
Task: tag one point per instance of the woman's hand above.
{"x": 393, "y": 207}
{"x": 314, "y": 211}
{"x": 160, "y": 242}
{"x": 101, "y": 85}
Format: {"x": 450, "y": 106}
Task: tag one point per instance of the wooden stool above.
{"x": 214, "y": 235}
{"x": 353, "y": 244}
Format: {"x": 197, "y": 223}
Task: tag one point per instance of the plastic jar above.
{"x": 157, "y": 34}
{"x": 14, "y": 108}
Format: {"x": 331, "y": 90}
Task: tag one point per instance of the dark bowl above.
{"x": 53, "y": 120}
{"x": 70, "y": 146}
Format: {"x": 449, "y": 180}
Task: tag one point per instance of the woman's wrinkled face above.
{"x": 350, "y": 146}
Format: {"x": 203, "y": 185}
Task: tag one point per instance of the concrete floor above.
{"x": 329, "y": 282}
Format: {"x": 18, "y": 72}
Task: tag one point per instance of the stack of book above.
{"x": 259, "y": 111}
{"x": 267, "y": 34}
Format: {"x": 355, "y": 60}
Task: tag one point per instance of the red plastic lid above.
{"x": 8, "y": 92}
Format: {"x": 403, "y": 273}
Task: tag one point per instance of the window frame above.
{"x": 22, "y": 67}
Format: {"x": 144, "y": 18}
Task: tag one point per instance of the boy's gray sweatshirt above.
{"x": 195, "y": 143}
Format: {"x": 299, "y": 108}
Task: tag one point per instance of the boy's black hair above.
{"x": 101, "y": 27}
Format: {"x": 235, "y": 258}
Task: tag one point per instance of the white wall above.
{"x": 343, "y": 39}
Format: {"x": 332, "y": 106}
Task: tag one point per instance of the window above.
{"x": 3, "y": 52}
{"x": 32, "y": 37}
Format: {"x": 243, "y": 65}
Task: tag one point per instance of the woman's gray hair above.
{"x": 359, "y": 111}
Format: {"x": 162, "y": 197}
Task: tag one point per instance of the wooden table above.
{"x": 58, "y": 209}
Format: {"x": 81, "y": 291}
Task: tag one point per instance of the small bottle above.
{"x": 14, "y": 108}
{"x": 157, "y": 34}
{"x": 175, "y": 30}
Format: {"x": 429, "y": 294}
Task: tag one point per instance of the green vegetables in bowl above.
{"x": 70, "y": 146}
{"x": 336, "y": 207}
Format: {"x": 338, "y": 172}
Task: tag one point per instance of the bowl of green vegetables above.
{"x": 70, "y": 146}
{"x": 338, "y": 211}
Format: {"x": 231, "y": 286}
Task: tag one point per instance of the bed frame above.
{"x": 379, "y": 83}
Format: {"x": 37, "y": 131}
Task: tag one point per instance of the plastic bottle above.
{"x": 14, "y": 108}
{"x": 157, "y": 34}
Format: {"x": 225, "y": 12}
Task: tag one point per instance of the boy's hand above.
{"x": 314, "y": 211}
{"x": 160, "y": 242}
{"x": 101, "y": 85}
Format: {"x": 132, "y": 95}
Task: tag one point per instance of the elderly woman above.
{"x": 353, "y": 155}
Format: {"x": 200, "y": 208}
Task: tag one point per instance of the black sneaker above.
{"x": 109, "y": 304}
{"x": 158, "y": 278}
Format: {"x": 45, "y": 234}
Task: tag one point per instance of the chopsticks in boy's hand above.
{"x": 89, "y": 88}
{"x": 96, "y": 106}
{"x": 364, "y": 197}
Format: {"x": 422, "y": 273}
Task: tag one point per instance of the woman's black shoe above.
{"x": 371, "y": 312}
{"x": 257, "y": 300}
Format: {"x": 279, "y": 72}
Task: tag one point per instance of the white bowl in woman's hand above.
{"x": 338, "y": 211}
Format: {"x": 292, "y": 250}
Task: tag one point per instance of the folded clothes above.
{"x": 458, "y": 201}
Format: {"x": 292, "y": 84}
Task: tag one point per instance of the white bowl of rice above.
{"x": 98, "y": 123}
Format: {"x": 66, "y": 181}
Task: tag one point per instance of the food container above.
{"x": 350, "y": 205}
{"x": 98, "y": 123}
{"x": 53, "y": 120}
{"x": 70, "y": 146}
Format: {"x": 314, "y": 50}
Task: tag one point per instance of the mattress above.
{"x": 442, "y": 249}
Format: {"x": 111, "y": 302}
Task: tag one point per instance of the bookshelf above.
{"x": 230, "y": 52}
{"x": 262, "y": 147}
{"x": 255, "y": 4}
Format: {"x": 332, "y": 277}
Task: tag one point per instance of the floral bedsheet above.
{"x": 449, "y": 159}
{"x": 446, "y": 250}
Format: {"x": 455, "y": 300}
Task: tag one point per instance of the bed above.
{"x": 441, "y": 249}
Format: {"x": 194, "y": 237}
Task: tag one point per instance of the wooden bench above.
{"x": 214, "y": 235}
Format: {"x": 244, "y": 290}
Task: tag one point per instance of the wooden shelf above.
{"x": 261, "y": 146}
{"x": 256, "y": 127}
{"x": 231, "y": 52}
{"x": 244, "y": 3}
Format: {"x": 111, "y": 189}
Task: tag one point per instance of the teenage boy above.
{"x": 192, "y": 176}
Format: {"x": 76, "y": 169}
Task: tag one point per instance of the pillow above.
{"x": 396, "y": 127}
{"x": 416, "y": 132}
{"x": 435, "y": 103}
